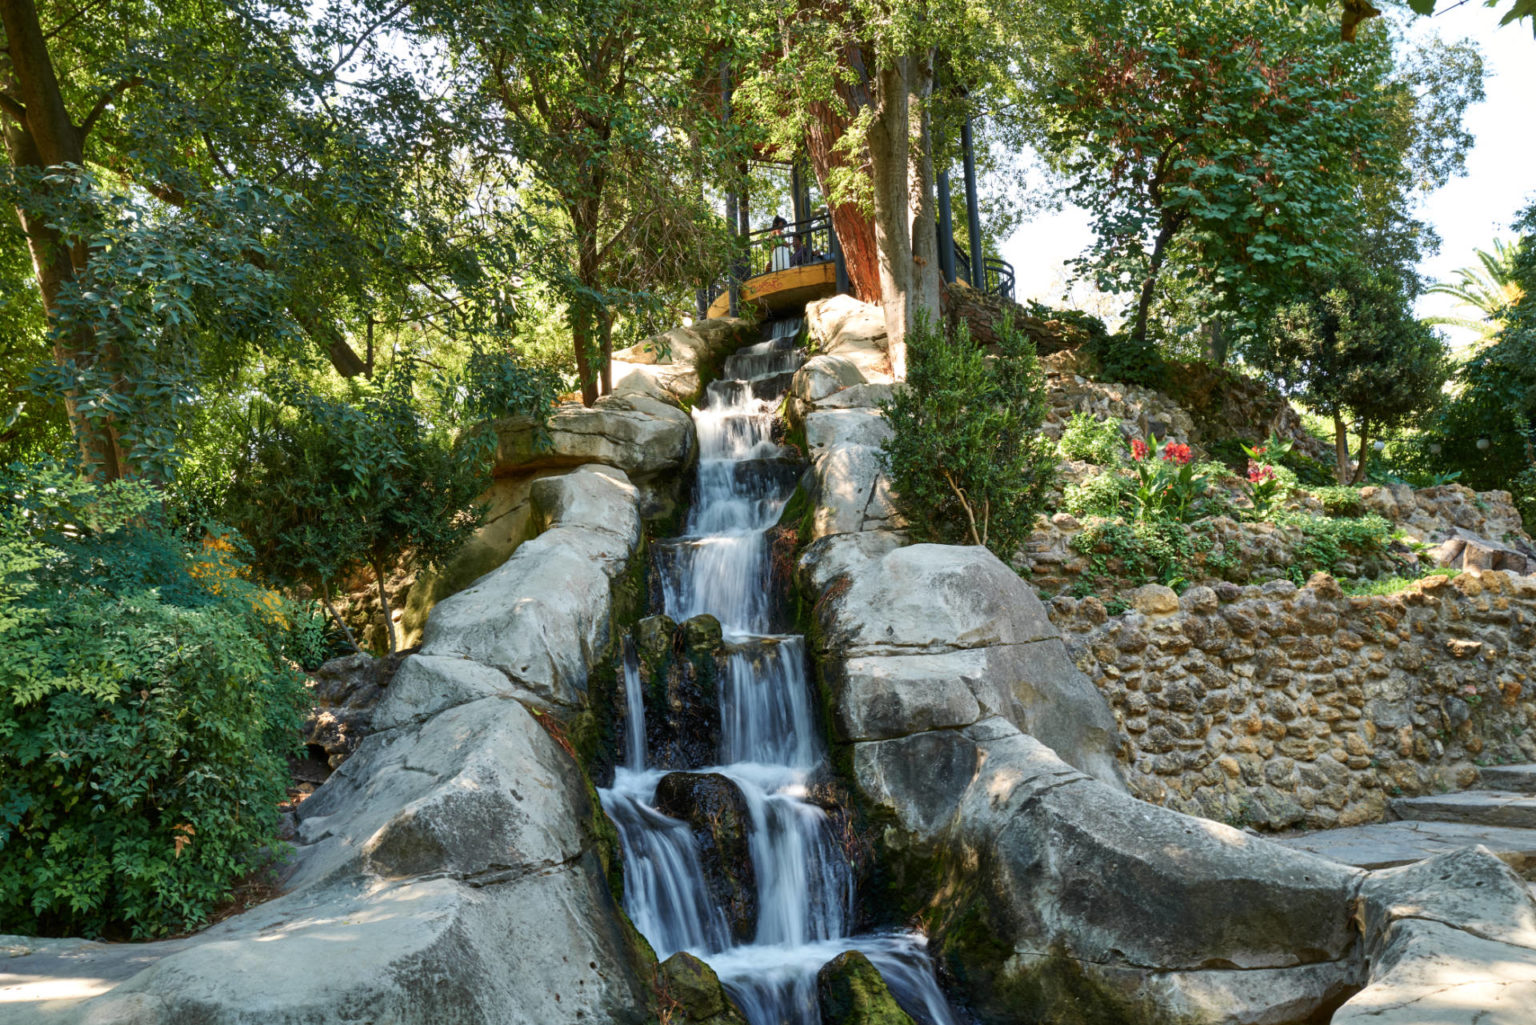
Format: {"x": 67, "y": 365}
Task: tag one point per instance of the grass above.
{"x": 1390, "y": 585}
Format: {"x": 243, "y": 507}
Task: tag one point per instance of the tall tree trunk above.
{"x": 855, "y": 229}
{"x": 1365, "y": 454}
{"x": 581, "y": 341}
{"x": 1165, "y": 235}
{"x": 40, "y": 134}
{"x": 605, "y": 349}
{"x": 389, "y": 620}
{"x": 1340, "y": 448}
{"x": 901, "y": 170}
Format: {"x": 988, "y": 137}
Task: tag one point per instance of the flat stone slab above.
{"x": 1517, "y": 778}
{"x": 1479, "y": 807}
{"x": 35, "y": 970}
{"x": 1388, "y": 844}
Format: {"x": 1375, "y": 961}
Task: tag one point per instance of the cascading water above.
{"x": 769, "y": 744}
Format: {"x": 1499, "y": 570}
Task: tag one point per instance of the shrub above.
{"x": 145, "y": 712}
{"x": 1105, "y": 494}
{"x": 1328, "y": 542}
{"x": 966, "y": 457}
{"x": 1092, "y": 439}
{"x": 331, "y": 485}
{"x": 1167, "y": 484}
{"x": 1339, "y": 500}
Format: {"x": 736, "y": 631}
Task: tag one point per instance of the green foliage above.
{"x": 1156, "y": 111}
{"x": 1142, "y": 551}
{"x": 1104, "y": 494}
{"x": 1092, "y": 439}
{"x": 145, "y": 712}
{"x": 1487, "y": 429}
{"x": 1327, "y": 542}
{"x": 1166, "y": 482}
{"x": 1391, "y": 585}
{"x": 1355, "y": 352}
{"x": 331, "y": 485}
{"x": 966, "y": 459}
{"x": 1339, "y": 500}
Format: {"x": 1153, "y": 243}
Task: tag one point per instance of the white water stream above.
{"x": 769, "y": 742}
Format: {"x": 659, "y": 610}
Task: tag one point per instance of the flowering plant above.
{"x": 1264, "y": 486}
{"x": 1167, "y": 485}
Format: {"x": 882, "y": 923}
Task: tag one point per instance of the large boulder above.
{"x": 695, "y": 992}
{"x": 843, "y": 326}
{"x": 679, "y": 362}
{"x": 680, "y": 670}
{"x": 722, "y": 824}
{"x": 509, "y": 521}
{"x": 345, "y": 691}
{"x": 850, "y": 991}
{"x": 542, "y": 618}
{"x": 641, "y": 435}
{"x": 417, "y": 865}
{"x": 1451, "y": 941}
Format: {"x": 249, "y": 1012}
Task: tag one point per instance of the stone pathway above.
{"x": 1501, "y": 817}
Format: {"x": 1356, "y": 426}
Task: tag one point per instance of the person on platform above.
{"x": 780, "y": 257}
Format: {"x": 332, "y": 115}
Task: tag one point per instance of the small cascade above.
{"x": 769, "y": 745}
{"x": 634, "y": 702}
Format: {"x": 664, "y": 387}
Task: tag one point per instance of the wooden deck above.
{"x": 781, "y": 290}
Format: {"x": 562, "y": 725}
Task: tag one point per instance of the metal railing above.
{"x": 811, "y": 241}
{"x": 999, "y": 273}
{"x": 803, "y": 243}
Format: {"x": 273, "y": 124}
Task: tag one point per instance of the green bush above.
{"x": 1327, "y": 542}
{"x": 1142, "y": 551}
{"x": 1092, "y": 439}
{"x": 966, "y": 457}
{"x": 1105, "y": 494}
{"x": 1339, "y": 500}
{"x": 146, "y": 708}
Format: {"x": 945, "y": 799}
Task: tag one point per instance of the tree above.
{"x": 1487, "y": 288}
{"x": 1354, "y": 352}
{"x": 148, "y": 706}
{"x": 206, "y": 181}
{"x": 606, "y": 105}
{"x": 330, "y": 485}
{"x": 1244, "y": 128}
{"x": 1487, "y": 430}
{"x": 966, "y": 457}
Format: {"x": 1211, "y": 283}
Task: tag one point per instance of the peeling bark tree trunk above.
{"x": 855, "y": 230}
{"x": 901, "y": 171}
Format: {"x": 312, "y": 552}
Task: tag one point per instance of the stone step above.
{"x": 1386, "y": 844}
{"x": 1518, "y": 778}
{"x": 1477, "y": 807}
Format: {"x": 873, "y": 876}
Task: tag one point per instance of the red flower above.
{"x": 1177, "y": 454}
{"x": 1138, "y": 450}
{"x": 1259, "y": 474}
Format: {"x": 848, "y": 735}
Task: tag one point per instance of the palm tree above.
{"x": 1486, "y": 289}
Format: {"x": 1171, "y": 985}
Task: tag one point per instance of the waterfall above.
{"x": 634, "y": 704}
{"x": 769, "y": 744}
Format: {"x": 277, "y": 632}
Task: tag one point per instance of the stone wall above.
{"x": 1278, "y": 707}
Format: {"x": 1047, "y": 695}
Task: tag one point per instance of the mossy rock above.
{"x": 713, "y": 805}
{"x": 681, "y": 665}
{"x": 851, "y": 991}
{"x": 696, "y": 993}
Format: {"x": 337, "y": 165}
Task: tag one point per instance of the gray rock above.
{"x": 832, "y": 428}
{"x": 1477, "y": 807}
{"x": 1429, "y": 973}
{"x": 542, "y": 617}
{"x": 822, "y": 376}
{"x": 852, "y": 492}
{"x": 633, "y": 432}
{"x": 842, "y": 555}
{"x": 345, "y": 691}
{"x": 932, "y": 598}
{"x": 843, "y": 326}
{"x": 428, "y": 684}
{"x": 1467, "y": 889}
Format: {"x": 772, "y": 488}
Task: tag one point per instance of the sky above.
{"x": 1468, "y": 212}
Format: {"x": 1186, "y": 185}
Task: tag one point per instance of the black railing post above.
{"x": 946, "y": 225}
{"x": 841, "y": 267}
{"x": 973, "y": 209}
